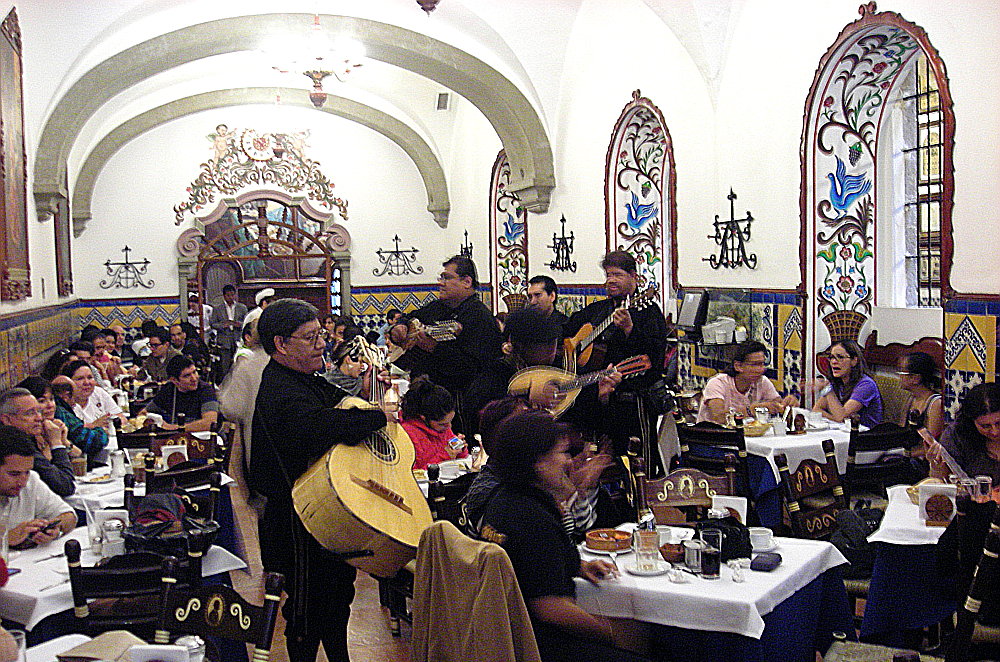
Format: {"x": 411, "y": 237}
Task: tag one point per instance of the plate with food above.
{"x": 96, "y": 479}
{"x": 606, "y": 541}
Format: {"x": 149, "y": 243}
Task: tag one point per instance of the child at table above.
{"x": 427, "y": 411}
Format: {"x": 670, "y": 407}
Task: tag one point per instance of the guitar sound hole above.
{"x": 382, "y": 447}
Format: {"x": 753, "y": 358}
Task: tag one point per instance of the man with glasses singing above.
{"x": 458, "y": 365}
{"x": 296, "y": 421}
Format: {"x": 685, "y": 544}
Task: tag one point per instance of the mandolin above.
{"x": 440, "y": 331}
{"x": 362, "y": 501}
{"x": 532, "y": 381}
{"x": 581, "y": 346}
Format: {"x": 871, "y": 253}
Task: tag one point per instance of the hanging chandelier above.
{"x": 317, "y": 58}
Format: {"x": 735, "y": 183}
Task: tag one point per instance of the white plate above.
{"x": 662, "y": 568}
{"x": 96, "y": 480}
{"x": 771, "y": 548}
{"x": 604, "y": 552}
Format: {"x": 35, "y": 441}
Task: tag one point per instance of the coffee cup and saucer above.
{"x": 762, "y": 539}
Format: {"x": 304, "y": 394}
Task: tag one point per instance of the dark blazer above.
{"x": 224, "y": 336}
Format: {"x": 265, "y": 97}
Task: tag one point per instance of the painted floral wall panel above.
{"x": 508, "y": 239}
{"x": 849, "y": 104}
{"x": 639, "y": 187}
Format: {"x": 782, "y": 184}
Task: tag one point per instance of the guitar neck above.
{"x": 585, "y": 380}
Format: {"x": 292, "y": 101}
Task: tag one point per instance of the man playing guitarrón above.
{"x": 458, "y": 365}
{"x": 633, "y": 331}
{"x": 295, "y": 422}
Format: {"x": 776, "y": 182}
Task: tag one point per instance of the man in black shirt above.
{"x": 185, "y": 394}
{"x": 631, "y": 333}
{"x": 458, "y": 365}
{"x": 295, "y": 422}
{"x": 542, "y": 294}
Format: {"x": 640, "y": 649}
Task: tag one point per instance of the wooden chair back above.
{"x": 217, "y": 611}
{"x": 985, "y": 584}
{"x": 124, "y": 589}
{"x": 883, "y": 437}
{"x": 687, "y": 488}
{"x": 813, "y": 493}
{"x": 705, "y": 445}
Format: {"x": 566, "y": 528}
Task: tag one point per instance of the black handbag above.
{"x": 160, "y": 524}
{"x": 735, "y": 537}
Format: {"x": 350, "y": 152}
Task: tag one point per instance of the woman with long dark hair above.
{"x": 918, "y": 374}
{"x": 426, "y": 413}
{"x": 742, "y": 387}
{"x": 973, "y": 440}
{"x": 54, "y": 449}
{"x": 852, "y": 392}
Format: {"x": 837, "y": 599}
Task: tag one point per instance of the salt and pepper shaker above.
{"x": 113, "y": 531}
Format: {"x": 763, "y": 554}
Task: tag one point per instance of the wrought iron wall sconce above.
{"x": 732, "y": 238}
{"x": 126, "y": 275}
{"x": 398, "y": 262}
{"x": 466, "y": 248}
{"x": 563, "y": 249}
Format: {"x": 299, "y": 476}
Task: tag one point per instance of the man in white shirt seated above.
{"x": 34, "y": 512}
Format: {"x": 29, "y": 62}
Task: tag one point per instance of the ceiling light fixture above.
{"x": 318, "y": 58}
{"x": 428, "y": 5}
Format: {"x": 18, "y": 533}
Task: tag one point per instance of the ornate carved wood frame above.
{"x": 15, "y": 269}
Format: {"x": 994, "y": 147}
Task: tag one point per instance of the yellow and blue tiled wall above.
{"x": 970, "y": 354}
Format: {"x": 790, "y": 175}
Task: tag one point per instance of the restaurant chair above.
{"x": 185, "y": 475}
{"x": 985, "y": 585}
{"x": 813, "y": 494}
{"x": 454, "y": 618}
{"x": 704, "y": 446}
{"x": 217, "y": 611}
{"x": 893, "y": 467}
{"x": 121, "y": 593}
{"x": 682, "y": 490}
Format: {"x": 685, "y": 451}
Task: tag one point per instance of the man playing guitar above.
{"x": 631, "y": 333}
{"x": 458, "y": 365}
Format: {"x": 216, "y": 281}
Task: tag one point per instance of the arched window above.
{"x": 508, "y": 239}
{"x": 639, "y": 194}
{"x": 877, "y": 150}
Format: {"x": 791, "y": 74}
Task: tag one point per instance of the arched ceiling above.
{"x": 509, "y": 111}
{"x": 408, "y": 140}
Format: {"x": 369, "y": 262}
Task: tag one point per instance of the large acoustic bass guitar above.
{"x": 581, "y": 349}
{"x": 362, "y": 501}
{"x": 536, "y": 380}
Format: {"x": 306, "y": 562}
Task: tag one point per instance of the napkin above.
{"x": 113, "y": 645}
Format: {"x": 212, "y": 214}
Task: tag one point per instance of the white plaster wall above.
{"x": 596, "y": 85}
{"x": 135, "y": 194}
{"x": 905, "y": 325}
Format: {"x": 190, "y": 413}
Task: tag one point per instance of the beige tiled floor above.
{"x": 369, "y": 638}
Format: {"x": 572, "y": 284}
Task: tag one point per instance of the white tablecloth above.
{"x": 808, "y": 446}
{"x": 901, "y": 524}
{"x": 23, "y": 601}
{"x": 107, "y": 495}
{"x": 47, "y": 651}
{"x": 714, "y": 605}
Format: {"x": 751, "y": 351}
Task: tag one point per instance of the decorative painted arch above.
{"x": 640, "y": 188}
{"x": 511, "y": 114}
{"x": 840, "y": 140}
{"x": 426, "y": 161}
{"x": 508, "y": 239}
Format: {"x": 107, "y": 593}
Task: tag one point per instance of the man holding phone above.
{"x": 34, "y": 512}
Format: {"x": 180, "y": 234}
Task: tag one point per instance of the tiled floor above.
{"x": 368, "y": 633}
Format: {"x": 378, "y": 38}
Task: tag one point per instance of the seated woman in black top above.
{"x": 973, "y": 440}
{"x": 531, "y": 461}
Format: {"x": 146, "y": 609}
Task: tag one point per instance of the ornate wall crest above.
{"x": 246, "y": 157}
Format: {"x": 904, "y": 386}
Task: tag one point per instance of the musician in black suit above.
{"x": 295, "y": 422}
{"x": 459, "y": 365}
{"x": 632, "y": 332}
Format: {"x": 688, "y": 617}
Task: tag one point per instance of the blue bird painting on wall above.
{"x": 845, "y": 189}
{"x": 638, "y": 214}
{"x": 513, "y": 228}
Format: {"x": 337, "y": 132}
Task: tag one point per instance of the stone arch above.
{"x": 399, "y": 132}
{"x": 508, "y": 110}
{"x": 840, "y": 137}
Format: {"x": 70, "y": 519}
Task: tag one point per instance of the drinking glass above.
{"x": 4, "y": 544}
{"x": 711, "y": 553}
{"x": 692, "y": 554}
{"x": 647, "y": 553}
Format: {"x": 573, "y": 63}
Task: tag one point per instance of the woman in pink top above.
{"x": 426, "y": 413}
{"x": 742, "y": 387}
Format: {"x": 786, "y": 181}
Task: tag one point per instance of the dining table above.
{"x": 40, "y": 588}
{"x": 903, "y": 595}
{"x": 783, "y": 615}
